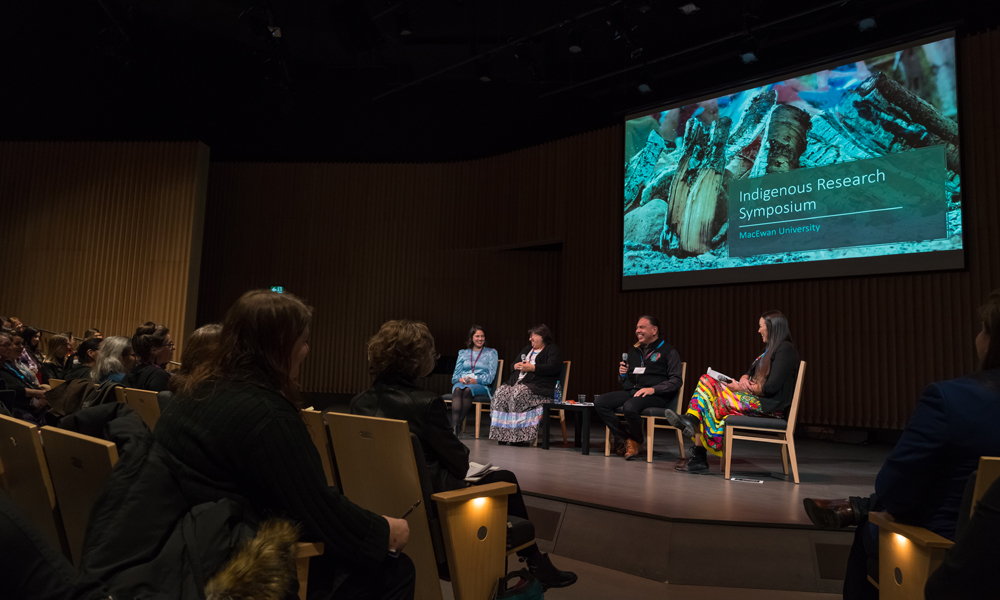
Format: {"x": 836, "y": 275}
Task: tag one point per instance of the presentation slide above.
{"x": 849, "y": 170}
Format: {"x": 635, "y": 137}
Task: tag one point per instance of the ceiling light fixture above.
{"x": 689, "y": 8}
{"x": 644, "y": 88}
{"x": 867, "y": 23}
{"x": 404, "y": 25}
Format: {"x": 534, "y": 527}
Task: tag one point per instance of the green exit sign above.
{"x": 278, "y": 288}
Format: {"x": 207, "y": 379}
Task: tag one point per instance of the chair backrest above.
{"x": 145, "y": 403}
{"x": 986, "y": 475}
{"x": 27, "y": 475}
{"x": 54, "y": 383}
{"x": 79, "y": 466}
{"x": 564, "y": 378}
{"x": 680, "y": 392}
{"x": 317, "y": 431}
{"x": 378, "y": 472}
{"x": 120, "y": 394}
{"x": 793, "y": 411}
{"x": 497, "y": 378}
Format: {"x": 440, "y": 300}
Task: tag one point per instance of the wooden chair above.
{"x": 145, "y": 403}
{"x": 767, "y": 429}
{"x": 907, "y": 555}
{"x": 317, "y": 431}
{"x": 28, "y": 483}
{"x": 655, "y": 420}
{"x": 120, "y": 394}
{"x": 481, "y": 404}
{"x": 79, "y": 466}
{"x": 564, "y": 379}
{"x": 378, "y": 470}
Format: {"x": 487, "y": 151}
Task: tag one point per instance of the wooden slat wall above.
{"x": 366, "y": 243}
{"x": 103, "y": 235}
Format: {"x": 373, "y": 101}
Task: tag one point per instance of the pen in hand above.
{"x": 395, "y": 553}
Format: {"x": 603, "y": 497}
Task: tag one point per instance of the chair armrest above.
{"x": 918, "y": 535}
{"x": 307, "y": 549}
{"x": 476, "y": 491}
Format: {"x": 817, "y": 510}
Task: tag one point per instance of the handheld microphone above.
{"x": 625, "y": 357}
{"x": 523, "y": 356}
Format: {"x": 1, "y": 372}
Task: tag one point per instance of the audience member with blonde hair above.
{"x": 398, "y": 354}
{"x": 58, "y": 358}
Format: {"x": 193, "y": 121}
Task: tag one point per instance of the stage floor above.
{"x": 826, "y": 470}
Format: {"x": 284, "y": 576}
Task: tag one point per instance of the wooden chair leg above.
{"x": 650, "y": 429}
{"x": 728, "y": 450}
{"x": 680, "y": 442}
{"x": 562, "y": 424}
{"x": 792, "y": 459}
{"x": 784, "y": 459}
{"x": 479, "y": 417}
{"x": 607, "y": 441}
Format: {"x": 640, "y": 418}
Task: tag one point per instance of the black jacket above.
{"x": 16, "y": 382}
{"x": 663, "y": 369}
{"x": 548, "y": 368}
{"x": 447, "y": 458}
{"x": 51, "y": 370}
{"x": 776, "y": 393}
{"x": 80, "y": 371}
{"x": 144, "y": 376}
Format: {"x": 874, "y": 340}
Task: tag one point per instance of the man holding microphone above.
{"x": 650, "y": 374}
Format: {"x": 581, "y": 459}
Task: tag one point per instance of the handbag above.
{"x": 527, "y": 588}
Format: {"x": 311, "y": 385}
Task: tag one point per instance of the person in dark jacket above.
{"x": 516, "y": 409}
{"x": 154, "y": 348}
{"x": 86, "y": 356}
{"x": 234, "y": 432}
{"x": 651, "y": 377}
{"x": 29, "y": 401}
{"x": 766, "y": 389}
{"x": 922, "y": 481}
{"x": 400, "y": 352}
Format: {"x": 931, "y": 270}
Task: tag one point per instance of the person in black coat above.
{"x": 651, "y": 376}
{"x": 154, "y": 348}
{"x": 923, "y": 480}
{"x": 516, "y": 409}
{"x": 765, "y": 390}
{"x": 86, "y": 355}
{"x": 400, "y": 352}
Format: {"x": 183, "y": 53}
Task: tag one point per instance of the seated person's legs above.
{"x": 539, "y": 564}
{"x": 606, "y": 405}
{"x": 394, "y": 579}
{"x": 461, "y": 402}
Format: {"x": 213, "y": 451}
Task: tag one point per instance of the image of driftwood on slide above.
{"x": 679, "y": 163}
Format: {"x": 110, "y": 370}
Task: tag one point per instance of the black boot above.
{"x": 547, "y": 574}
{"x": 698, "y": 463}
{"x": 684, "y": 423}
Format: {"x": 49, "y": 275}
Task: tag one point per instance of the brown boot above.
{"x": 835, "y": 514}
{"x": 631, "y": 449}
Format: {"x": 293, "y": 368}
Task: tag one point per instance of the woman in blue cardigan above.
{"x": 474, "y": 372}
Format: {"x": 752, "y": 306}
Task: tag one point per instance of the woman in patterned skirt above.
{"x": 517, "y": 407}
{"x": 766, "y": 389}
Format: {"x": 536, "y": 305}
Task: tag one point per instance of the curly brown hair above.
{"x": 401, "y": 348}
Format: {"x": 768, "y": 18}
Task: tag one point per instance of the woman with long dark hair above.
{"x": 154, "y": 348}
{"x": 766, "y": 389}
{"x": 235, "y": 422}
{"x": 517, "y": 408}
{"x": 474, "y": 372}
{"x": 31, "y": 356}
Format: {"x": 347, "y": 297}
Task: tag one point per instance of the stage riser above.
{"x": 684, "y": 553}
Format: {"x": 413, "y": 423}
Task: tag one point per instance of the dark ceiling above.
{"x": 343, "y": 83}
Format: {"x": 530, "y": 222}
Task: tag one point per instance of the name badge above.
{"x": 638, "y": 370}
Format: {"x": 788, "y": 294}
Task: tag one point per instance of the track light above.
{"x": 644, "y": 88}
{"x": 867, "y": 23}
{"x": 485, "y": 72}
{"x": 689, "y": 8}
{"x": 404, "y": 25}
{"x": 748, "y": 57}
{"x": 575, "y": 44}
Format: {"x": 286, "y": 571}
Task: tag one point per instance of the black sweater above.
{"x": 663, "y": 369}
{"x": 248, "y": 441}
{"x": 776, "y": 393}
{"x": 144, "y": 376}
{"x": 548, "y": 368}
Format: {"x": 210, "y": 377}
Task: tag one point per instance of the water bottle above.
{"x": 558, "y": 396}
